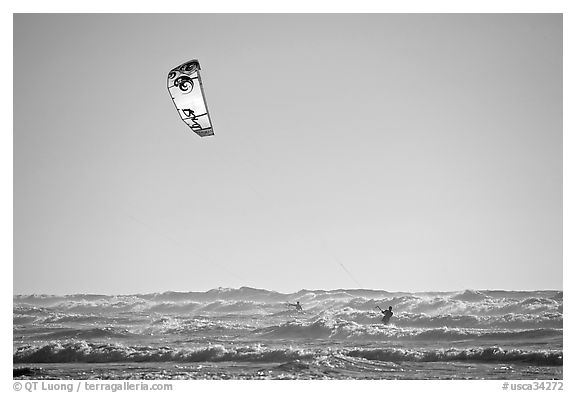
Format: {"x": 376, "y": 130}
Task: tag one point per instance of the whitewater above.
{"x": 249, "y": 333}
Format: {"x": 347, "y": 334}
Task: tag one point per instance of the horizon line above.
{"x": 288, "y": 293}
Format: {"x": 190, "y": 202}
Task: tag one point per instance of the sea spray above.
{"x": 84, "y": 352}
{"x": 251, "y": 333}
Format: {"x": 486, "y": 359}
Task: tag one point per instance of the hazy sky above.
{"x": 421, "y": 152}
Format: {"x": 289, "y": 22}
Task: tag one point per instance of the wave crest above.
{"x": 83, "y": 352}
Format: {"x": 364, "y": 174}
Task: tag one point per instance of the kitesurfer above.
{"x": 297, "y": 305}
{"x": 387, "y": 314}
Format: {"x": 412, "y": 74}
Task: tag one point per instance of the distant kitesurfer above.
{"x": 387, "y": 314}
{"x": 297, "y": 305}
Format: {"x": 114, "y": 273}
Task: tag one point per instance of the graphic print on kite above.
{"x": 185, "y": 87}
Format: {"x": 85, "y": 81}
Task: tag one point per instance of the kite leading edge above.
{"x": 185, "y": 87}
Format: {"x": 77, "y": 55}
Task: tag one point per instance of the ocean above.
{"x": 249, "y": 333}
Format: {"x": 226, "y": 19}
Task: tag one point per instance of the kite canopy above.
{"x": 185, "y": 87}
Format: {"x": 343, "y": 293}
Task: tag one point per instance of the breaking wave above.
{"x": 481, "y": 304}
{"x": 344, "y": 329}
{"x": 490, "y": 354}
{"x": 84, "y": 352}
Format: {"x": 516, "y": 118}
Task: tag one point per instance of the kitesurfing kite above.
{"x": 185, "y": 87}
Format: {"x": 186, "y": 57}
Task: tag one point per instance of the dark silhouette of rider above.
{"x": 387, "y": 314}
{"x": 297, "y": 305}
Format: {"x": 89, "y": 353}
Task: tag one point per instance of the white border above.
{"x": 308, "y": 6}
